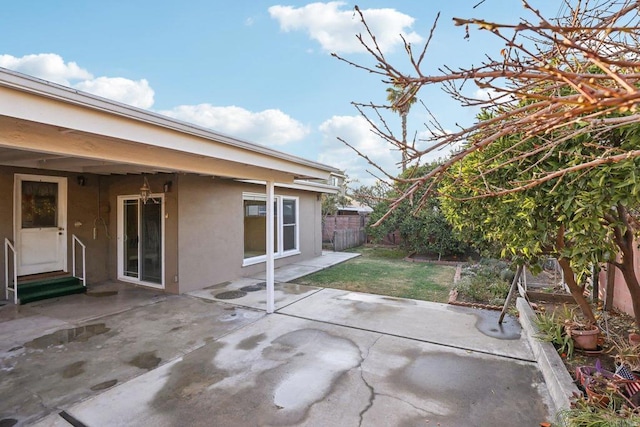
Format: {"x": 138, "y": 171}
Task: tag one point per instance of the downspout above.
{"x": 270, "y": 262}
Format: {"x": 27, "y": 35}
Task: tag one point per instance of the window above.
{"x": 39, "y": 204}
{"x": 289, "y": 222}
{"x": 285, "y": 226}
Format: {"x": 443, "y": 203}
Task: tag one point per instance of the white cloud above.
{"x": 335, "y": 29}
{"x": 47, "y": 66}
{"x": 486, "y": 94}
{"x": 136, "y": 93}
{"x": 51, "y": 67}
{"x": 268, "y": 127}
{"x": 356, "y": 131}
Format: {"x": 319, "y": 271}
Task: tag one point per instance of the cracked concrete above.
{"x": 330, "y": 358}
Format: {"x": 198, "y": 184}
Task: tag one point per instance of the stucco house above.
{"x": 155, "y": 201}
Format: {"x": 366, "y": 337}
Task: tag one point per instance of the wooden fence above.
{"x": 350, "y": 238}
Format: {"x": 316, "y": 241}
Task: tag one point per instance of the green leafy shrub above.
{"x": 551, "y": 329}
{"x": 584, "y": 413}
{"x": 484, "y": 282}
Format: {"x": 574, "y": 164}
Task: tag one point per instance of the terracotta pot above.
{"x": 601, "y": 400}
{"x": 584, "y": 374}
{"x": 585, "y": 340}
{"x": 634, "y": 339}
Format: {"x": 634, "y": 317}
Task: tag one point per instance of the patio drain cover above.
{"x": 230, "y": 295}
{"x": 254, "y": 288}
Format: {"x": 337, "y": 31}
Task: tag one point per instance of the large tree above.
{"x": 574, "y": 80}
{"x": 583, "y": 219}
{"x": 574, "y": 72}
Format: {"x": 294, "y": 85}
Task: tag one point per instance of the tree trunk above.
{"x": 570, "y": 279}
{"x": 403, "y": 150}
{"x": 576, "y": 290}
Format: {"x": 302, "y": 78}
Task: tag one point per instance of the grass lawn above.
{"x": 383, "y": 271}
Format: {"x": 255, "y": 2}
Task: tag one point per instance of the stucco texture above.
{"x": 82, "y": 212}
{"x": 211, "y": 223}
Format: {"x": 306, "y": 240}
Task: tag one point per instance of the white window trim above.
{"x": 280, "y": 253}
{"x": 120, "y": 240}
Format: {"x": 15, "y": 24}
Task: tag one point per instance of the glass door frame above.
{"x": 121, "y": 239}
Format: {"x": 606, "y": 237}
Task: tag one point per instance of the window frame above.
{"x": 121, "y": 275}
{"x": 279, "y": 252}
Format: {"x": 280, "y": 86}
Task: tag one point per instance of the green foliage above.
{"x": 551, "y": 329}
{"x": 581, "y": 217}
{"x": 584, "y": 413}
{"x": 483, "y": 282}
{"x": 425, "y": 232}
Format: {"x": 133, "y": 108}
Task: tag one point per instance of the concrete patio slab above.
{"x": 296, "y": 270}
{"x": 326, "y": 357}
{"x": 100, "y": 300}
{"x": 290, "y": 371}
{"x": 461, "y": 327}
{"x": 77, "y": 360}
{"x": 252, "y": 293}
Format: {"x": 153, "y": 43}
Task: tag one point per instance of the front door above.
{"x": 40, "y": 215}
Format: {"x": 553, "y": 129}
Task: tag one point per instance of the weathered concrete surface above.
{"x": 328, "y": 358}
{"x": 461, "y": 327}
{"x": 289, "y": 371}
{"x": 252, "y": 293}
{"x": 70, "y": 361}
{"x": 293, "y": 271}
{"x": 559, "y": 383}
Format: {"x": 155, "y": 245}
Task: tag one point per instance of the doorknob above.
{"x": 61, "y": 229}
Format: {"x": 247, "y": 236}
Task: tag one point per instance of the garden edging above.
{"x": 559, "y": 383}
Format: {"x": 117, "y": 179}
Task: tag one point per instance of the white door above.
{"x": 40, "y": 215}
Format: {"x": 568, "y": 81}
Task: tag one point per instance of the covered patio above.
{"x": 153, "y": 201}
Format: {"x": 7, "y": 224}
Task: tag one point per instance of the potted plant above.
{"x": 585, "y": 335}
{"x": 626, "y": 354}
{"x": 551, "y": 329}
{"x": 599, "y": 389}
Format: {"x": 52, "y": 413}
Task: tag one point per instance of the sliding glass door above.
{"x": 140, "y": 240}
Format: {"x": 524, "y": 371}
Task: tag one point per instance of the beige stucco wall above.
{"x": 211, "y": 223}
{"x": 82, "y": 209}
{"x": 204, "y": 225}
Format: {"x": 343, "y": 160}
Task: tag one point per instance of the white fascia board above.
{"x": 43, "y": 89}
{"x": 303, "y": 185}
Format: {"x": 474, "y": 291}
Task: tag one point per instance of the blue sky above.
{"x": 258, "y": 70}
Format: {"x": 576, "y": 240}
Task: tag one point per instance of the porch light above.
{"x": 145, "y": 191}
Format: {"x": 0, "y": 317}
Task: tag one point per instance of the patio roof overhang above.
{"x": 52, "y": 127}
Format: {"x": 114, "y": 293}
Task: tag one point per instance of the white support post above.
{"x": 270, "y": 242}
